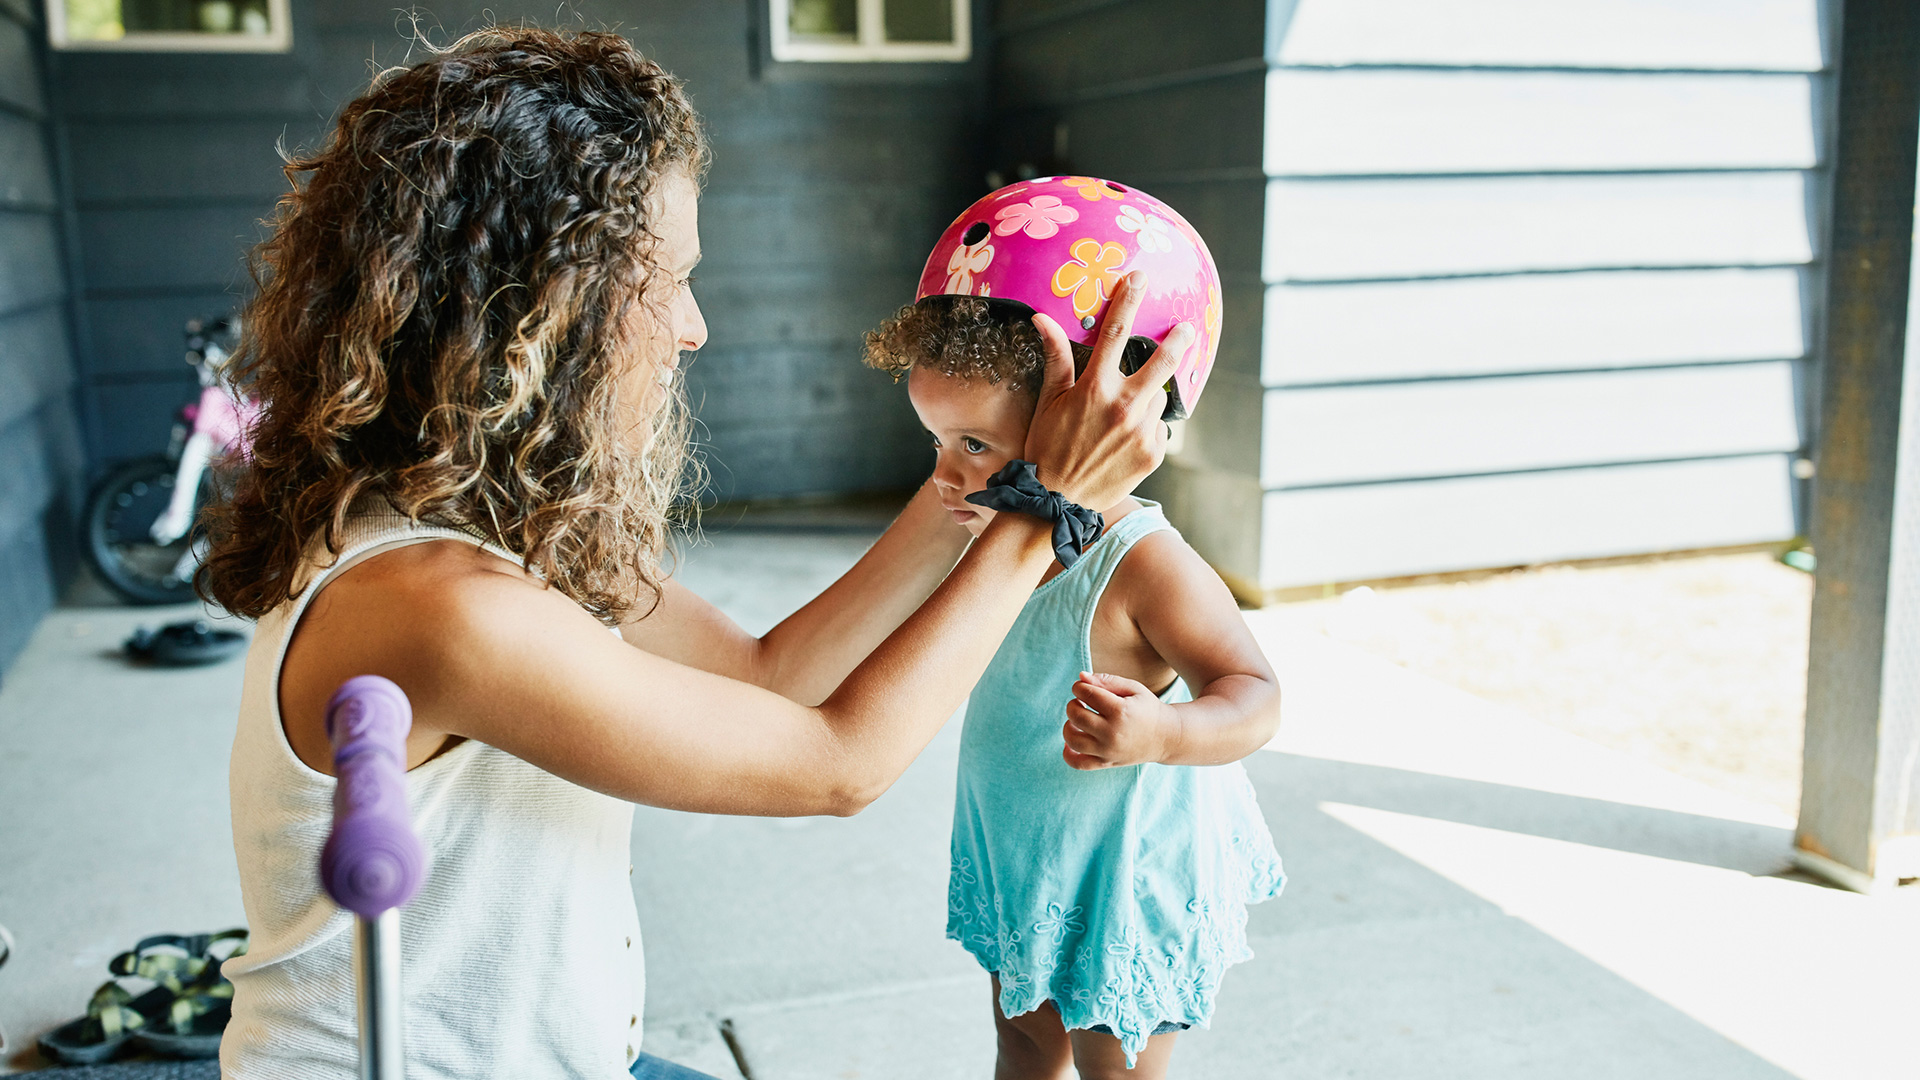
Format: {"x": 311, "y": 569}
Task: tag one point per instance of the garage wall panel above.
{"x": 1374, "y": 531}
{"x": 1345, "y": 230}
{"x": 1732, "y": 35}
{"x": 1369, "y": 433}
{"x": 1530, "y": 323}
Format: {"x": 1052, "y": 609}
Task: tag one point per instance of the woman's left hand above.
{"x": 1113, "y": 721}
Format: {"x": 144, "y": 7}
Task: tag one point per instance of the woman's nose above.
{"x": 693, "y": 325}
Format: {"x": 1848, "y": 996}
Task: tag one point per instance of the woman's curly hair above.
{"x": 965, "y": 336}
{"x": 452, "y": 288}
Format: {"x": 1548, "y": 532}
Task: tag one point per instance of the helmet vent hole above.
{"x": 975, "y": 233}
{"x": 1117, "y": 187}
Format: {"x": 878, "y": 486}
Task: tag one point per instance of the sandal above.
{"x": 184, "y": 644}
{"x": 183, "y": 1015}
{"x": 112, "y": 1017}
{"x": 199, "y": 1012}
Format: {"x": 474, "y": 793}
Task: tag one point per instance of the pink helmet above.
{"x": 1059, "y": 245}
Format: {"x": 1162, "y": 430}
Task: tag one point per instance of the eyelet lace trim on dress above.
{"x": 1129, "y": 985}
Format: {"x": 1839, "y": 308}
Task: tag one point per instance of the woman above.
{"x": 466, "y": 336}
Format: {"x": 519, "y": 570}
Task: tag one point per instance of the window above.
{"x": 169, "y": 25}
{"x": 864, "y": 31}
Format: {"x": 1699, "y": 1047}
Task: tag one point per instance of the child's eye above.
{"x": 975, "y": 446}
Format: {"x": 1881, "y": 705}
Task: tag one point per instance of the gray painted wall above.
{"x": 829, "y": 184}
{"x": 40, "y": 460}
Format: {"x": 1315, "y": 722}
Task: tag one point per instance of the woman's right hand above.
{"x": 1095, "y": 438}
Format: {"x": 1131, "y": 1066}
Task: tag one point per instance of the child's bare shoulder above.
{"x": 1162, "y": 580}
{"x": 1166, "y": 612}
{"x": 1162, "y": 566}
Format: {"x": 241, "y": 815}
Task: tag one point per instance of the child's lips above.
{"x": 961, "y": 515}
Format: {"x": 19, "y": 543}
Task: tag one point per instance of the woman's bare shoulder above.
{"x": 429, "y": 616}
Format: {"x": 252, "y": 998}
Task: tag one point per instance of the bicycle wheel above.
{"x": 117, "y": 542}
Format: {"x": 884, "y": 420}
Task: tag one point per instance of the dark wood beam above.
{"x": 1860, "y": 800}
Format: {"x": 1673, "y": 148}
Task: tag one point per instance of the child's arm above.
{"x": 1185, "y": 613}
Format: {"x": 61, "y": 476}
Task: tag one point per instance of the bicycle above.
{"x": 139, "y": 527}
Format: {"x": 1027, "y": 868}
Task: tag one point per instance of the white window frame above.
{"x": 872, "y": 46}
{"x": 278, "y": 38}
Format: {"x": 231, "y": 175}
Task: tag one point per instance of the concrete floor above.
{"x": 1473, "y": 894}
{"x": 1697, "y": 663}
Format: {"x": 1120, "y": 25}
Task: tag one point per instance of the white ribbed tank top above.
{"x": 520, "y": 955}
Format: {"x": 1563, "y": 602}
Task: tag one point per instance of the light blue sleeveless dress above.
{"x": 1118, "y": 894}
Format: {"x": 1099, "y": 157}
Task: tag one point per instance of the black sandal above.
{"x": 182, "y": 1016}
{"x": 104, "y": 1033}
{"x": 184, "y": 644}
{"x": 198, "y": 1014}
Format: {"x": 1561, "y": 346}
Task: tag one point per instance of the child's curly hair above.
{"x": 966, "y": 336}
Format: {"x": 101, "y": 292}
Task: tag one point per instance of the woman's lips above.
{"x": 962, "y": 516}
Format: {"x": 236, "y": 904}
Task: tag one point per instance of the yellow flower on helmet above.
{"x": 1090, "y": 275}
{"x": 1094, "y": 189}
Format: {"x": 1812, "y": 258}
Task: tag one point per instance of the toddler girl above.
{"x": 1102, "y": 859}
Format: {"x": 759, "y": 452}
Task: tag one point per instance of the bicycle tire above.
{"x": 110, "y": 540}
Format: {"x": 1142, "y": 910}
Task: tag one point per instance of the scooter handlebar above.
{"x": 372, "y": 862}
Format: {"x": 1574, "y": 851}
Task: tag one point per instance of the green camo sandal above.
{"x": 113, "y": 1015}
{"x": 186, "y": 1001}
{"x": 200, "y": 1010}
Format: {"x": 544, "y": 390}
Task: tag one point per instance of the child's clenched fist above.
{"x": 1114, "y": 721}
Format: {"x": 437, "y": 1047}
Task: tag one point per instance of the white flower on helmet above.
{"x": 1153, "y": 232}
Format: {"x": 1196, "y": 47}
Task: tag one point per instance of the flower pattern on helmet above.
{"x": 967, "y": 261}
{"x": 1213, "y": 313}
{"x": 1033, "y": 223}
{"x": 1093, "y": 189}
{"x": 1090, "y": 275}
{"x": 1039, "y": 218}
{"x": 1153, "y": 232}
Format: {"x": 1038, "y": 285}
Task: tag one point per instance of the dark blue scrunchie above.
{"x": 1018, "y": 489}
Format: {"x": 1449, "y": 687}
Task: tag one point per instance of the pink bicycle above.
{"x": 139, "y": 526}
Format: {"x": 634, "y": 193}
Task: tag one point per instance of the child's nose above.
{"x": 946, "y": 475}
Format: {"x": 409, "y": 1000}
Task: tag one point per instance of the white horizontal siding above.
{"x": 1356, "y": 229}
{"x": 1760, "y": 35}
{"x": 1400, "y": 122}
{"x": 1545, "y": 322}
{"x": 1349, "y": 434}
{"x": 1391, "y": 530}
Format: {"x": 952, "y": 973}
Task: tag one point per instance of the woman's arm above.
{"x": 813, "y": 649}
{"x": 485, "y": 653}
{"x": 1187, "y": 615}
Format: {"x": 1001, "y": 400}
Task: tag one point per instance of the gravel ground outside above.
{"x": 1698, "y": 664}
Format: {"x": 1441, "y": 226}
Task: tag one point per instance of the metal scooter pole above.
{"x": 372, "y": 863}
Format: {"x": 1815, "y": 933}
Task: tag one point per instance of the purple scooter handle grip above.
{"x": 372, "y": 862}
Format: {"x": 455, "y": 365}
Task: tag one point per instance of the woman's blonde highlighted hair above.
{"x": 452, "y": 289}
